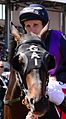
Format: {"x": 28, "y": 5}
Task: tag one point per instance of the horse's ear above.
{"x": 44, "y": 31}
{"x": 50, "y": 62}
{"x": 15, "y": 32}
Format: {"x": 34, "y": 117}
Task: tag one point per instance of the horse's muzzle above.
{"x": 39, "y": 107}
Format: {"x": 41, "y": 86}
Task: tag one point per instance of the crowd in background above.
{"x": 3, "y": 87}
{"x": 4, "y": 71}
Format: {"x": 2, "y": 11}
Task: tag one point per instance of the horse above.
{"x": 27, "y": 86}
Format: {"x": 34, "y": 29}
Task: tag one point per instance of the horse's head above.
{"x": 32, "y": 62}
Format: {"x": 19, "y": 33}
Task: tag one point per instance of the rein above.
{"x": 23, "y": 92}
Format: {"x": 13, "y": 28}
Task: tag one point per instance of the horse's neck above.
{"x": 11, "y": 86}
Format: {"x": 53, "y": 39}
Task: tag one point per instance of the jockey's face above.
{"x": 34, "y": 26}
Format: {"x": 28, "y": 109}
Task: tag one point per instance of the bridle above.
{"x": 36, "y": 53}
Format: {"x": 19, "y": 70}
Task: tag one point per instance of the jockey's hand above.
{"x": 55, "y": 93}
{"x": 31, "y": 116}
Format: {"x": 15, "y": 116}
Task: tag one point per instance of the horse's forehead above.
{"x": 33, "y": 52}
{"x": 30, "y": 41}
{"x": 29, "y": 37}
{"x": 30, "y": 48}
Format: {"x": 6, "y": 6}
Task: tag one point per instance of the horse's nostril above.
{"x": 32, "y": 101}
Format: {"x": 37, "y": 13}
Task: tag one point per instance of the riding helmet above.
{"x": 33, "y": 12}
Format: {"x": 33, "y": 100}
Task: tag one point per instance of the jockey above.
{"x": 33, "y": 19}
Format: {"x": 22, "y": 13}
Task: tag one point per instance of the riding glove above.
{"x": 55, "y": 93}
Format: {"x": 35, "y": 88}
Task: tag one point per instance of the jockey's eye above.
{"x": 28, "y": 27}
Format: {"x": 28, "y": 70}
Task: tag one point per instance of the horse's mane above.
{"x": 12, "y": 47}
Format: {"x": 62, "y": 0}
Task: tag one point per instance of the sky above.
{"x": 2, "y": 11}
